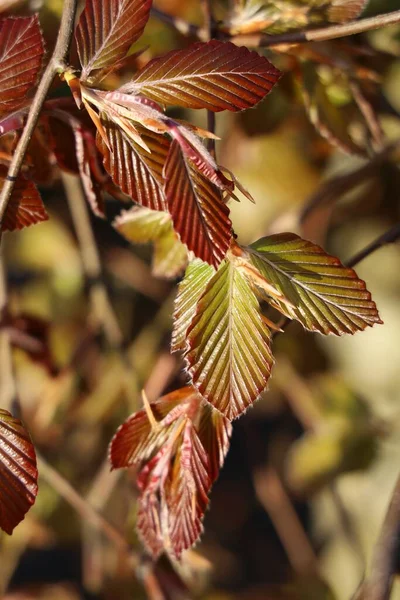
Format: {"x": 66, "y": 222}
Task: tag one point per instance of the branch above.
{"x": 389, "y": 237}
{"x": 180, "y": 25}
{"x": 91, "y": 260}
{"x": 55, "y": 66}
{"x": 317, "y": 35}
{"x": 378, "y": 585}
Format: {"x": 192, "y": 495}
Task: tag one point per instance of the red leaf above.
{"x": 199, "y": 215}
{"x": 137, "y": 172}
{"x": 21, "y": 53}
{"x": 186, "y": 491}
{"x": 214, "y": 75}
{"x": 18, "y": 472}
{"x": 214, "y": 432}
{"x": 107, "y": 29}
{"x": 25, "y": 206}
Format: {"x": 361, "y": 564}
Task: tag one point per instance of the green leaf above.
{"x": 228, "y": 346}
{"x": 214, "y": 75}
{"x": 18, "y": 472}
{"x": 107, "y": 29}
{"x": 323, "y": 294}
{"x": 197, "y": 276}
{"x": 141, "y": 225}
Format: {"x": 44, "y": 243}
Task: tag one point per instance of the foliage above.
{"x": 123, "y": 142}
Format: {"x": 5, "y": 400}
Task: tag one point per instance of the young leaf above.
{"x": 21, "y": 54}
{"x": 198, "y": 213}
{"x": 215, "y": 432}
{"x": 18, "y": 472}
{"x": 85, "y": 155}
{"x": 141, "y": 225}
{"x": 106, "y": 30}
{"x": 136, "y": 171}
{"x": 341, "y": 11}
{"x": 229, "y": 367}
{"x": 197, "y": 276}
{"x": 214, "y": 75}
{"x": 324, "y": 295}
{"x": 186, "y": 491}
{"x": 136, "y": 440}
{"x": 25, "y": 206}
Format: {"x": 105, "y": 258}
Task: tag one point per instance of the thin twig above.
{"x": 389, "y": 237}
{"x": 86, "y": 511}
{"x": 180, "y": 25}
{"x": 55, "y": 66}
{"x": 333, "y": 188}
{"x": 273, "y": 497}
{"x": 91, "y": 260}
{"x": 383, "y": 565}
{"x": 317, "y": 35}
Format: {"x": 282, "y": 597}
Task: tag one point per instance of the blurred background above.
{"x": 311, "y": 468}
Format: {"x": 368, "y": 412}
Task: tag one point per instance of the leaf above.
{"x": 214, "y": 75}
{"x": 106, "y": 30}
{"x": 328, "y": 119}
{"x": 325, "y": 296}
{"x": 229, "y": 367}
{"x": 25, "y": 206}
{"x": 197, "y": 276}
{"x": 21, "y": 54}
{"x": 186, "y": 491}
{"x": 141, "y": 225}
{"x": 341, "y": 11}
{"x": 86, "y": 155}
{"x": 18, "y": 472}
{"x": 137, "y": 172}
{"x": 198, "y": 213}
{"x": 136, "y": 441}
{"x": 215, "y": 432}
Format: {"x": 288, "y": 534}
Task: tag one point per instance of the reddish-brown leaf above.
{"x": 186, "y": 491}
{"x": 18, "y": 472}
{"x": 199, "y": 215}
{"x": 107, "y": 29}
{"x": 21, "y": 53}
{"x": 215, "y": 432}
{"x": 25, "y": 206}
{"x": 214, "y": 75}
{"x": 86, "y": 156}
{"x": 137, "y": 172}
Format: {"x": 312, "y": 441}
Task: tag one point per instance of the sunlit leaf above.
{"x": 136, "y": 440}
{"x": 341, "y": 11}
{"x": 229, "y": 367}
{"x": 18, "y": 472}
{"x": 86, "y": 155}
{"x": 198, "y": 213}
{"x": 197, "y": 276}
{"x": 21, "y": 54}
{"x": 141, "y": 225}
{"x": 107, "y": 29}
{"x": 214, "y": 432}
{"x": 325, "y": 296}
{"x": 25, "y": 206}
{"x": 186, "y": 491}
{"x": 137, "y": 172}
{"x": 214, "y": 75}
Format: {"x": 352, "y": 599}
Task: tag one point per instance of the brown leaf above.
{"x": 198, "y": 213}
{"x": 18, "y": 472}
{"x": 25, "y": 206}
{"x": 21, "y": 54}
